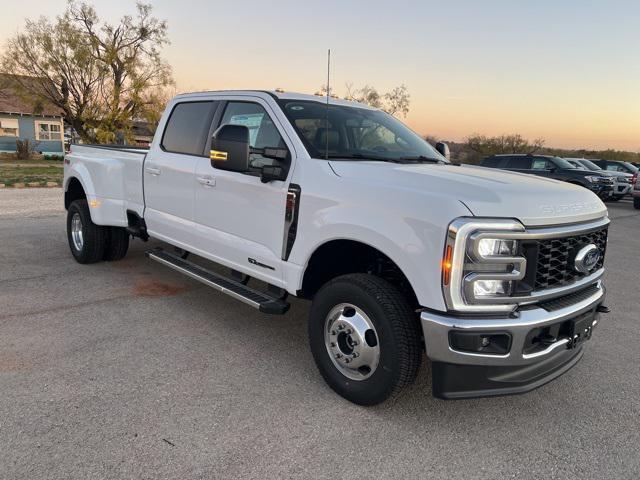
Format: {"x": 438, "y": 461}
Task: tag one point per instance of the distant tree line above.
{"x": 476, "y": 147}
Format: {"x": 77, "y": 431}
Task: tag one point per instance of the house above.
{"x": 142, "y": 133}
{"x": 21, "y": 118}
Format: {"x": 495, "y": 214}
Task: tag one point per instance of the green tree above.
{"x": 101, "y": 76}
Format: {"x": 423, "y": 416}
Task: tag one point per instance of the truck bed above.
{"x": 116, "y": 174}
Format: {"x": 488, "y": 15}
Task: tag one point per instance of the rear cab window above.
{"x": 187, "y": 128}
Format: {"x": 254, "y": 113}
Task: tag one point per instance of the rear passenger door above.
{"x": 169, "y": 172}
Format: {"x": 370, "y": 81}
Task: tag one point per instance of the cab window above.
{"x": 519, "y": 163}
{"x": 263, "y": 132}
{"x": 187, "y": 127}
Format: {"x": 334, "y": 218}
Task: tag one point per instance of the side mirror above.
{"x": 230, "y": 148}
{"x": 443, "y": 149}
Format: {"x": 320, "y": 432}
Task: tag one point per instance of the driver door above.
{"x": 239, "y": 220}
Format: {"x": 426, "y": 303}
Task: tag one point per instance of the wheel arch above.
{"x": 342, "y": 256}
{"x": 74, "y": 190}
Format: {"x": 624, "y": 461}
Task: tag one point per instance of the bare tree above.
{"x": 514, "y": 143}
{"x": 101, "y": 76}
{"x": 395, "y": 102}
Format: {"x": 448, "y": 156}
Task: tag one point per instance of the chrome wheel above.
{"x": 76, "y": 232}
{"x": 352, "y": 341}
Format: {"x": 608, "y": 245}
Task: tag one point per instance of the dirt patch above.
{"x": 10, "y": 363}
{"x": 146, "y": 288}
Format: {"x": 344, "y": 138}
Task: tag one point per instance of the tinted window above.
{"x": 263, "y": 133}
{"x": 187, "y": 128}
{"x": 612, "y": 167}
{"x": 520, "y": 163}
{"x": 494, "y": 162}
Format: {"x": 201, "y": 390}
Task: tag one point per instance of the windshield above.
{"x": 355, "y": 133}
{"x": 574, "y": 163}
{"x": 563, "y": 164}
{"x": 590, "y": 165}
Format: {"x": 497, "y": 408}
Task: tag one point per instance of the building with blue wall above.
{"x": 21, "y": 119}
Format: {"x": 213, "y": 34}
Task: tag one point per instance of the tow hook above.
{"x": 603, "y": 309}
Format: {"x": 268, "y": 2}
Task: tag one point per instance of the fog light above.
{"x": 487, "y": 343}
{"x": 491, "y": 288}
{"x": 491, "y": 247}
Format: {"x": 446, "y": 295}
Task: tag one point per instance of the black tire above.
{"x": 116, "y": 243}
{"x": 636, "y": 203}
{"x": 93, "y": 236}
{"x": 398, "y": 334}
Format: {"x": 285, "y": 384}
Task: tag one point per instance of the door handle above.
{"x": 207, "y": 181}
{"x": 152, "y": 171}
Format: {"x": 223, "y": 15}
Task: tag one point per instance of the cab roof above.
{"x": 281, "y": 95}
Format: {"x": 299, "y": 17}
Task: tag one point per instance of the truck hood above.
{"x": 486, "y": 192}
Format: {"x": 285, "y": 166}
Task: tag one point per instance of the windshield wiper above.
{"x": 420, "y": 158}
{"x": 359, "y": 156}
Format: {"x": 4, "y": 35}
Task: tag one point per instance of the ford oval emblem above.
{"x": 587, "y": 258}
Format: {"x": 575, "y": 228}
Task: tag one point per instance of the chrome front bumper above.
{"x": 436, "y": 328}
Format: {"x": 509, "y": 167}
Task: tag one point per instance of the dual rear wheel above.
{"x": 91, "y": 243}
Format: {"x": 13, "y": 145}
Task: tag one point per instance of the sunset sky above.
{"x": 564, "y": 70}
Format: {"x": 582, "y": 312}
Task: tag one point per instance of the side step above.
{"x": 257, "y": 299}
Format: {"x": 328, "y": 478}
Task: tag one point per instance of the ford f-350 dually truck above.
{"x": 496, "y": 276}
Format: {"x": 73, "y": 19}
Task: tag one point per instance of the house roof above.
{"x": 14, "y": 101}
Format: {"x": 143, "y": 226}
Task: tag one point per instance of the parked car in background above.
{"x": 557, "y": 168}
{"x": 623, "y": 180}
{"x": 616, "y": 166}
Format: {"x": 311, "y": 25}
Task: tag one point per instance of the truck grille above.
{"x": 554, "y": 265}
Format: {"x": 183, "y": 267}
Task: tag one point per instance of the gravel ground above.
{"x": 129, "y": 370}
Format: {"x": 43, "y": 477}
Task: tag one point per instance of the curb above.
{"x": 22, "y": 186}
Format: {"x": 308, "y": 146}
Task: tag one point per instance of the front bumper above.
{"x": 462, "y": 374}
{"x": 622, "y": 188}
{"x": 603, "y": 191}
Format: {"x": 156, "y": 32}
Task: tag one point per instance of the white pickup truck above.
{"x": 497, "y": 276}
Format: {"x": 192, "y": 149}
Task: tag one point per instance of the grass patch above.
{"x": 11, "y": 174}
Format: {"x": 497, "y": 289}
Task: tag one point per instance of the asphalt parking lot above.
{"x": 129, "y": 370}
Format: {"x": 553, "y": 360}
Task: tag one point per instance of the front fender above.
{"x": 414, "y": 245}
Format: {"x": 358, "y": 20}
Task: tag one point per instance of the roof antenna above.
{"x": 326, "y": 118}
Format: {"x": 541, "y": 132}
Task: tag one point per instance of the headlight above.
{"x": 598, "y": 179}
{"x": 494, "y": 246}
{"x": 491, "y": 288}
{"x": 482, "y": 265}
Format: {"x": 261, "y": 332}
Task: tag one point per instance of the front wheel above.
{"x": 365, "y": 338}
{"x": 636, "y": 203}
{"x": 86, "y": 239}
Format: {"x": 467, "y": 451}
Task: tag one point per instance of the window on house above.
{"x": 9, "y": 127}
{"x": 48, "y": 131}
